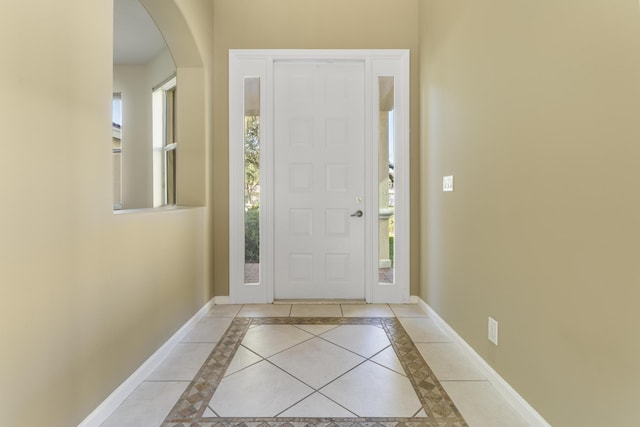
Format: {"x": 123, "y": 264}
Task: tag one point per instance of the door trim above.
{"x": 259, "y": 63}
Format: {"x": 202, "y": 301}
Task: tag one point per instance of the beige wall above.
{"x": 131, "y": 81}
{"x": 533, "y": 107}
{"x": 87, "y": 295}
{"x": 302, "y": 24}
{"x": 191, "y": 121}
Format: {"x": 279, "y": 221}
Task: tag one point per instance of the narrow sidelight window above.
{"x": 386, "y": 181}
{"x": 252, "y": 180}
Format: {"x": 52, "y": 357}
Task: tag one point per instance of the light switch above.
{"x": 493, "y": 331}
{"x": 447, "y": 183}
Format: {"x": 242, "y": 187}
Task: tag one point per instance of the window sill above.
{"x": 159, "y": 209}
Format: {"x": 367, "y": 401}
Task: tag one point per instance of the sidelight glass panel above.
{"x": 386, "y": 181}
{"x": 252, "y": 180}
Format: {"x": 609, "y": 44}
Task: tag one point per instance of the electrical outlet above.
{"x": 493, "y": 331}
{"x": 447, "y": 183}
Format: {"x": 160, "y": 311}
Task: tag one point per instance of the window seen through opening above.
{"x": 116, "y": 149}
{"x": 165, "y": 144}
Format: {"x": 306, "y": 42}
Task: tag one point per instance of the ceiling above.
{"x": 136, "y": 39}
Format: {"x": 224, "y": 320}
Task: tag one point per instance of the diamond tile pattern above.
{"x": 267, "y": 340}
{"x": 388, "y": 358}
{"x": 322, "y": 372}
{"x": 364, "y": 340}
{"x": 242, "y": 359}
{"x": 386, "y": 394}
{"x": 317, "y": 405}
{"x": 261, "y": 390}
{"x": 316, "y": 362}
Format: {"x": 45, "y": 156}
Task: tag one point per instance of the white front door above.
{"x": 319, "y": 176}
{"x": 328, "y": 122}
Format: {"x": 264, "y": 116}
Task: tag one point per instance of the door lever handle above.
{"x": 357, "y": 214}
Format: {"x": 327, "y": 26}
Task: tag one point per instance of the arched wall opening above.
{"x": 139, "y": 182}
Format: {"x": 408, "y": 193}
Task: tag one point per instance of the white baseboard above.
{"x": 111, "y": 403}
{"x": 524, "y": 409}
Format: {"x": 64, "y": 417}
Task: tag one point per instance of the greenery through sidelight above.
{"x": 252, "y": 189}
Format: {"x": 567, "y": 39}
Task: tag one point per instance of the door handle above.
{"x": 357, "y": 214}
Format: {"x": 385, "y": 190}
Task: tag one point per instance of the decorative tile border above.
{"x": 440, "y": 410}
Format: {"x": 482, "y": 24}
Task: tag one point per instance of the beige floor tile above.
{"x": 364, "y": 340}
{"x": 318, "y": 406}
{"x": 449, "y": 362}
{"x": 316, "y": 362}
{"x": 374, "y": 391}
{"x": 261, "y": 390}
{"x": 147, "y": 406}
{"x": 182, "y": 363}
{"x": 209, "y": 329}
{"x": 389, "y": 359}
{"x": 316, "y": 329}
{"x": 265, "y": 310}
{"x": 366, "y": 310}
{"x": 267, "y": 340}
{"x": 225, "y": 310}
{"x": 407, "y": 310}
{"x": 209, "y": 413}
{"x": 313, "y": 310}
{"x": 242, "y": 359}
{"x": 481, "y": 405}
{"x": 424, "y": 330}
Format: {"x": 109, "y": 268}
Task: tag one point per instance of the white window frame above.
{"x": 117, "y": 133}
{"x": 161, "y": 145}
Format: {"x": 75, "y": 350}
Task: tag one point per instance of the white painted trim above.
{"x": 115, "y": 399}
{"x": 509, "y": 393}
{"x": 370, "y": 191}
{"x": 398, "y": 68}
{"x": 241, "y": 67}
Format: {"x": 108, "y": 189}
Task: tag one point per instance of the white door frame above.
{"x": 259, "y": 63}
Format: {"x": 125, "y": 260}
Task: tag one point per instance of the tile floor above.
{"x": 252, "y": 273}
{"x": 343, "y": 367}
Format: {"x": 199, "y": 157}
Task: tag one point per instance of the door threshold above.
{"x": 319, "y": 301}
